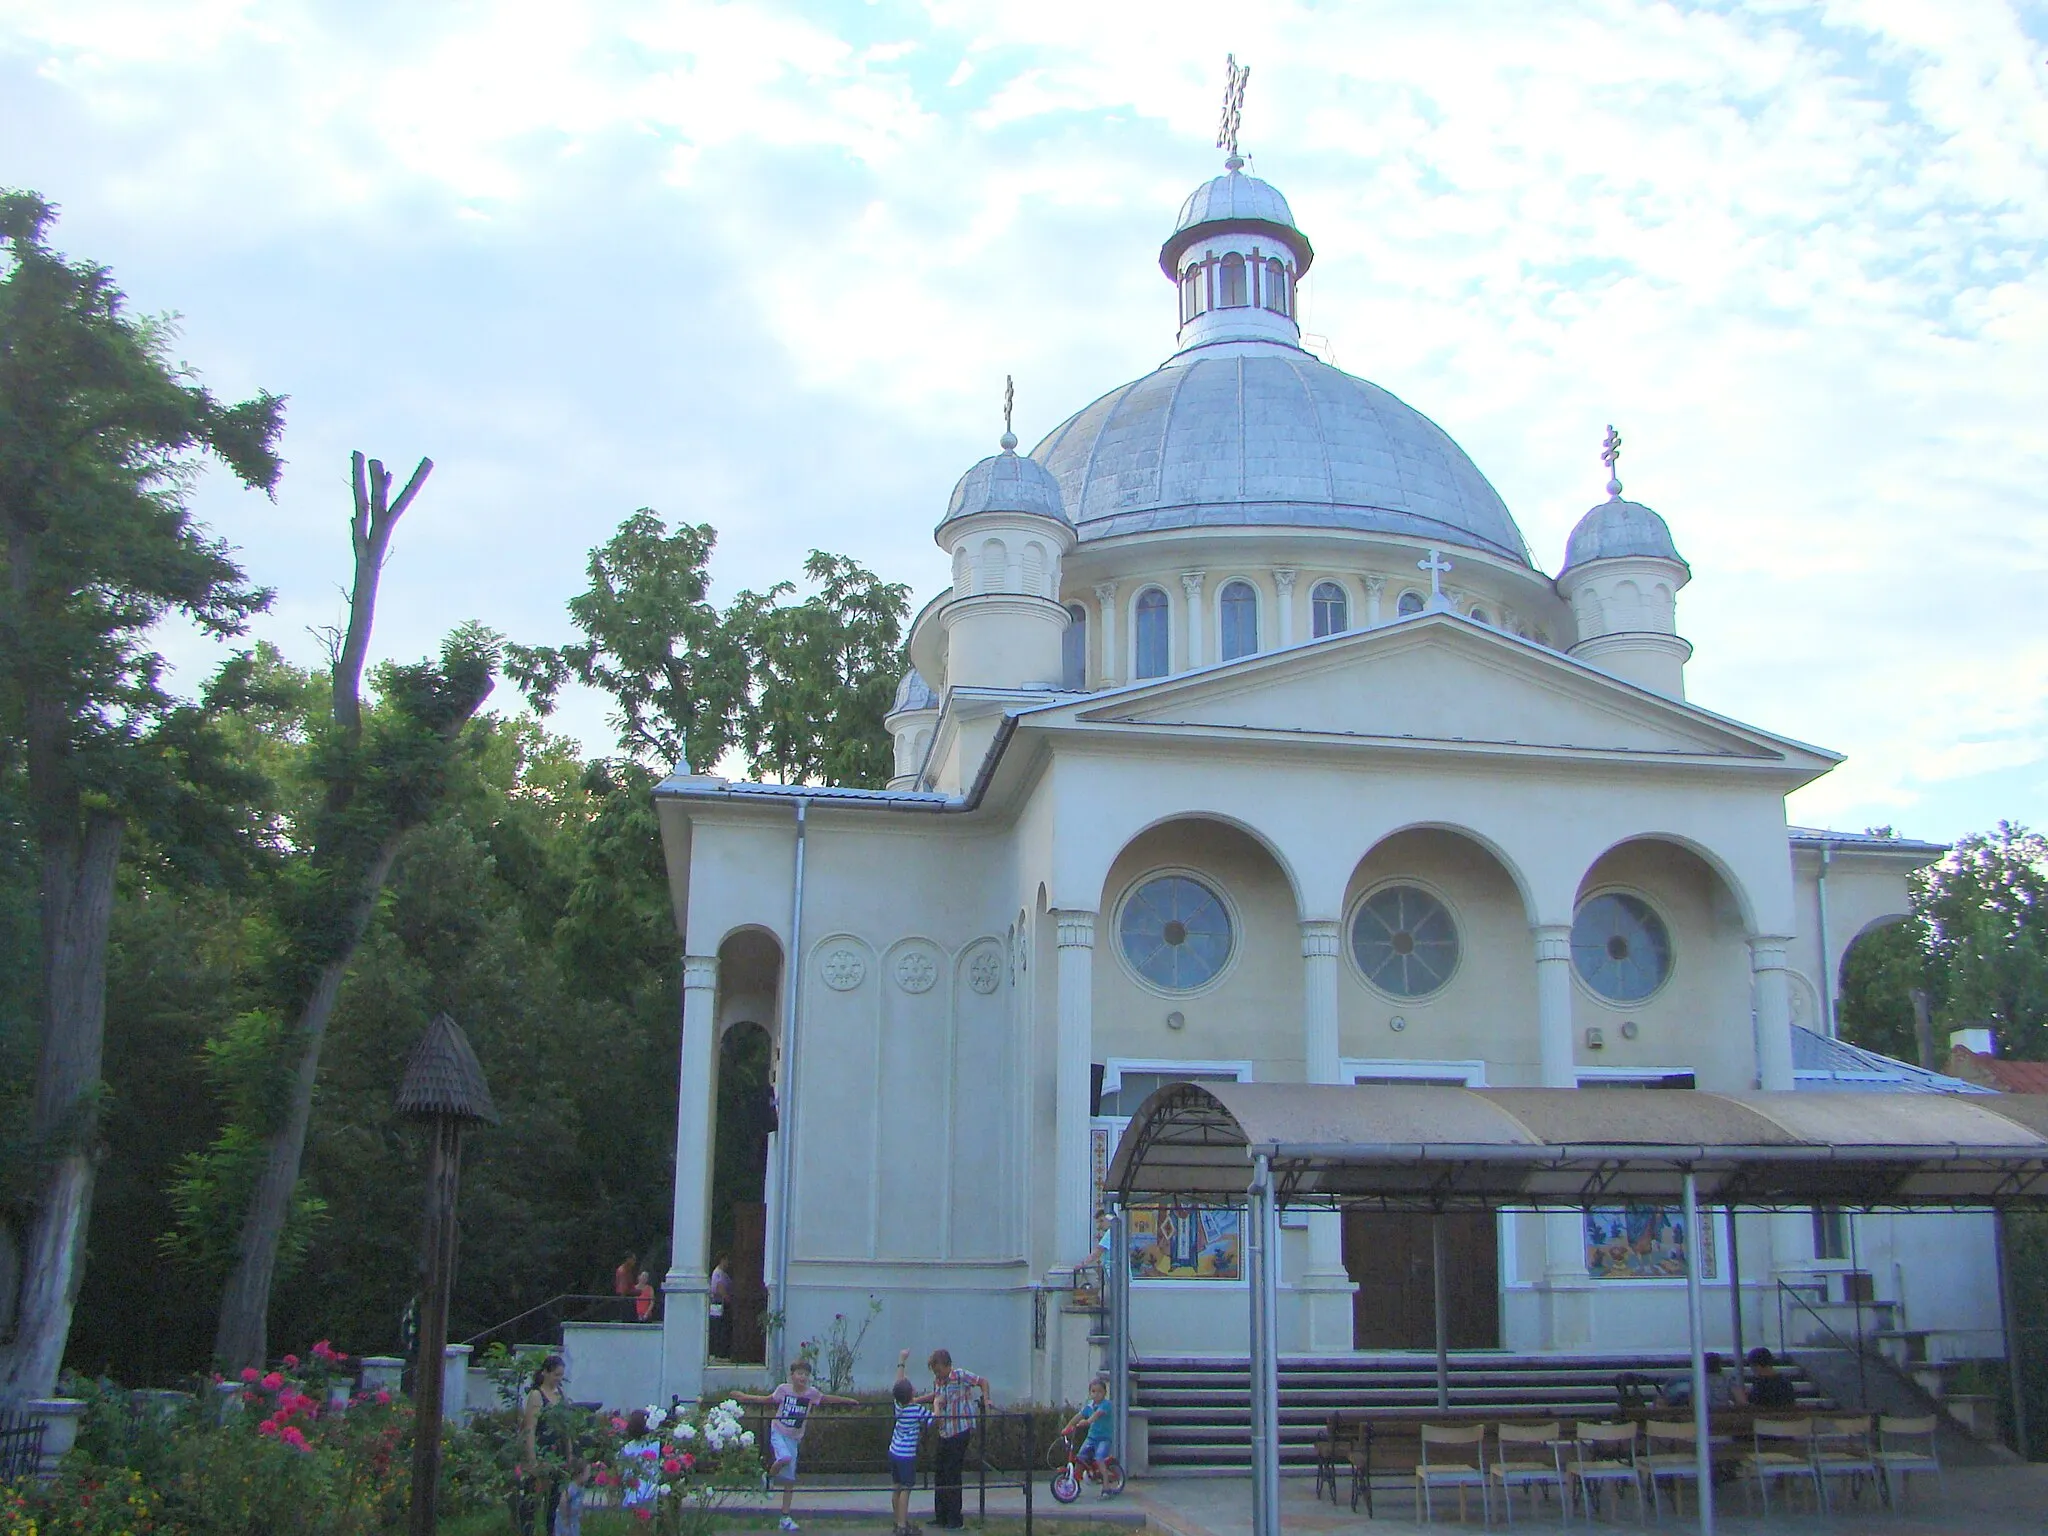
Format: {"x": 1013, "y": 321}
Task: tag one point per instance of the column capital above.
{"x": 1105, "y": 592}
{"x": 1767, "y": 951}
{"x": 1375, "y": 585}
{"x": 1283, "y": 579}
{"x": 1553, "y": 941}
{"x": 1075, "y": 929}
{"x": 1319, "y": 938}
{"x": 700, "y": 973}
{"x": 1191, "y": 582}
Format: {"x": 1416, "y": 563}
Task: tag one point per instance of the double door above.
{"x": 1389, "y": 1256}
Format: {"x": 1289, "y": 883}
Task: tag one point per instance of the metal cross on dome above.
{"x": 1610, "y": 455}
{"x": 1436, "y": 565}
{"x": 1233, "y": 110}
{"x": 1009, "y": 404}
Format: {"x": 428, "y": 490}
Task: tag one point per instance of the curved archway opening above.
{"x": 1881, "y": 969}
{"x": 749, "y": 989}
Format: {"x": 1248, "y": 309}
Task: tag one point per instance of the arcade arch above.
{"x": 749, "y": 989}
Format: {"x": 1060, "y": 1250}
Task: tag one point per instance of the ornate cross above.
{"x": 1610, "y": 455}
{"x": 1436, "y": 565}
{"x": 1233, "y": 110}
{"x": 1009, "y": 403}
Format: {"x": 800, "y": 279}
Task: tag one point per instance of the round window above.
{"x": 1620, "y": 947}
{"x": 1175, "y": 932}
{"x": 1404, "y": 941}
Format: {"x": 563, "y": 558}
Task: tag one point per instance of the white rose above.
{"x": 684, "y": 1431}
{"x": 747, "y": 1439}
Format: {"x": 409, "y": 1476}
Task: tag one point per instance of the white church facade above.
{"x": 1250, "y": 741}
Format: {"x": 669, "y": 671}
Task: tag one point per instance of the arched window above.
{"x": 1149, "y": 634}
{"x": 1230, "y": 284}
{"x": 1074, "y": 650}
{"x": 963, "y": 570}
{"x": 1330, "y": 612}
{"x": 1411, "y": 602}
{"x": 1240, "y": 605}
{"x": 1277, "y": 298}
{"x": 993, "y": 574}
{"x": 1479, "y": 617}
{"x": 1190, "y": 293}
{"x": 1034, "y": 568}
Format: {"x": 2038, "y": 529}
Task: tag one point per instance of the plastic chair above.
{"x": 1782, "y": 1448}
{"x": 1842, "y": 1448}
{"x": 1604, "y": 1454}
{"x": 1906, "y": 1446}
{"x": 1463, "y": 1466}
{"x": 1536, "y": 1459}
{"x": 1677, "y": 1464}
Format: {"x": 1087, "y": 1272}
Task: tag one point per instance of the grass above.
{"x": 607, "y": 1522}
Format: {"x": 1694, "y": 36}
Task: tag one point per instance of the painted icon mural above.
{"x": 1186, "y": 1242}
{"x": 1643, "y": 1242}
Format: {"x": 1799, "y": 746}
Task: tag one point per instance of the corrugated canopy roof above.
{"x": 1479, "y": 1148}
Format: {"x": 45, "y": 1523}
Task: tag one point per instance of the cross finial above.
{"x": 1233, "y": 111}
{"x": 1009, "y": 404}
{"x": 1610, "y": 455}
{"x": 1436, "y": 565}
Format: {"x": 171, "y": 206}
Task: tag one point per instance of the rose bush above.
{"x": 688, "y": 1466}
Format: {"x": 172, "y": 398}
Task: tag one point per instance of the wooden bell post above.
{"x": 443, "y": 1088}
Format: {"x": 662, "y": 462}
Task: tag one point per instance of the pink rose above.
{"x": 267, "y": 1427}
{"x": 293, "y": 1436}
{"x": 291, "y": 1362}
{"x": 689, "y": 1462}
{"x": 272, "y": 1382}
{"x": 671, "y": 1466}
{"x": 644, "y": 1514}
{"x": 251, "y": 1374}
{"x": 383, "y": 1398}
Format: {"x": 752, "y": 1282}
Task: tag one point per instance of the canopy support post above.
{"x": 1696, "y": 1328}
{"x": 1116, "y": 1282}
{"x": 1440, "y": 1286}
{"x": 2008, "y": 1319}
{"x": 1265, "y": 1375}
{"x": 1735, "y": 1291}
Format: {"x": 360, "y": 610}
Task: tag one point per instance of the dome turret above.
{"x": 1621, "y": 577}
{"x": 1008, "y": 483}
{"x": 910, "y": 722}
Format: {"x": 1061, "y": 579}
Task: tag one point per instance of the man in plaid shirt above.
{"x": 953, "y": 1399}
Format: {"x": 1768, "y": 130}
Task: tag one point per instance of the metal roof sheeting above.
{"x": 1481, "y": 1148}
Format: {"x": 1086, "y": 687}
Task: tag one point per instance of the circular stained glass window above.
{"x": 1620, "y": 947}
{"x": 1404, "y": 941}
{"x": 1175, "y": 932}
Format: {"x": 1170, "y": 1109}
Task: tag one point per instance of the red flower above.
{"x": 383, "y": 1398}
{"x": 251, "y": 1374}
{"x": 293, "y": 1436}
{"x": 644, "y": 1514}
{"x": 671, "y": 1466}
{"x": 272, "y": 1382}
{"x": 291, "y": 1362}
{"x": 689, "y": 1462}
{"x": 267, "y": 1427}
{"x": 322, "y": 1350}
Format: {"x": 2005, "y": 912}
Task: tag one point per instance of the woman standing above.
{"x": 543, "y": 1431}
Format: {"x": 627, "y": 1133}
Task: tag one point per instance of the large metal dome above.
{"x": 1265, "y": 435}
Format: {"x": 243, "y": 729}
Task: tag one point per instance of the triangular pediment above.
{"x": 1436, "y": 679}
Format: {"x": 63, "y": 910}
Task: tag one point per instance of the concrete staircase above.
{"x": 1200, "y": 1419}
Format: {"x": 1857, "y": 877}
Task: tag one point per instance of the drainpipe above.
{"x": 1827, "y": 966}
{"x": 785, "y": 1139}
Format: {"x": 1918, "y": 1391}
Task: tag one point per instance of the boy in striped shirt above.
{"x": 911, "y": 1418}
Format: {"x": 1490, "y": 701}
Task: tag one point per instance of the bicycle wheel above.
{"x": 1066, "y": 1487}
{"x": 1112, "y": 1479}
{"x": 1057, "y": 1453}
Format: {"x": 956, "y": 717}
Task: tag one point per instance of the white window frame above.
{"x": 1131, "y": 629}
{"x": 1634, "y": 1074}
{"x": 1258, "y": 615}
{"x": 1473, "y": 1073}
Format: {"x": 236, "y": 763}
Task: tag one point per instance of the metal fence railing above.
{"x": 21, "y": 1446}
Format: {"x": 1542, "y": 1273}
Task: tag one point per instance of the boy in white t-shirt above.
{"x": 793, "y": 1402}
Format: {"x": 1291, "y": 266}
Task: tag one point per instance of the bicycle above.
{"x": 1066, "y": 1482}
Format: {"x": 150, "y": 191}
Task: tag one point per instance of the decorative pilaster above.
{"x": 1191, "y": 584}
{"x": 1554, "y": 1046}
{"x": 1319, "y": 937}
{"x": 1074, "y": 1222}
{"x": 1326, "y": 1288}
{"x": 1773, "y": 1011}
{"x": 1375, "y": 587}
{"x": 1283, "y": 584}
{"x": 684, "y": 1315}
{"x": 1105, "y": 606}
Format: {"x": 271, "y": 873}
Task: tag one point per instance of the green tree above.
{"x": 101, "y": 438}
{"x": 823, "y": 674}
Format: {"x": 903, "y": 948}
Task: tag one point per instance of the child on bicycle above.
{"x": 1094, "y": 1452}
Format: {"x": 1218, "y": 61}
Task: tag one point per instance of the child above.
{"x": 911, "y": 1417}
{"x": 793, "y": 1402}
{"x": 1095, "y": 1449}
{"x": 569, "y": 1512}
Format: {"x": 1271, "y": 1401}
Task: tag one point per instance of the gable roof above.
{"x": 1824, "y": 1065}
{"x": 1999, "y": 1073}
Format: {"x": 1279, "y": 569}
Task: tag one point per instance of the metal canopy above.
{"x": 1432, "y": 1148}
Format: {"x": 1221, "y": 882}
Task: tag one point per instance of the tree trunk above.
{"x": 77, "y": 912}
{"x": 242, "y": 1335}
{"x": 1923, "y": 1029}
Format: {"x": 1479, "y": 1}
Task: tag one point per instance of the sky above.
{"x": 765, "y": 265}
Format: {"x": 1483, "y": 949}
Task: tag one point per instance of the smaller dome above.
{"x": 1005, "y": 482}
{"x": 1231, "y": 197}
{"x": 913, "y": 693}
{"x": 1618, "y": 529}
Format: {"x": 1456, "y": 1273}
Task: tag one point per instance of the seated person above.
{"x": 1723, "y": 1390}
{"x": 1767, "y": 1389}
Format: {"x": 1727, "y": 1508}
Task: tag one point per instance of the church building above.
{"x": 1250, "y": 741}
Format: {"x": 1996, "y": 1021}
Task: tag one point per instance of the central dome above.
{"x": 1265, "y": 435}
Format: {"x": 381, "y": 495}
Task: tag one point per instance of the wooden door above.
{"x": 749, "y": 1293}
{"x": 1388, "y": 1256}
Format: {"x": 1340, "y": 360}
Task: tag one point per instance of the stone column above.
{"x": 1105, "y": 606}
{"x": 1773, "y": 1011}
{"x": 684, "y": 1315}
{"x": 1191, "y": 584}
{"x": 1326, "y": 1289}
{"x": 1283, "y": 583}
{"x": 1554, "y": 1044}
{"x": 1074, "y": 1227}
{"x": 1374, "y": 587}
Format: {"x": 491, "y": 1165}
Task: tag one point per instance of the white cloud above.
{"x": 766, "y": 264}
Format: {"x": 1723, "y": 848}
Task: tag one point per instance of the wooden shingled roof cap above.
{"x": 445, "y": 1078}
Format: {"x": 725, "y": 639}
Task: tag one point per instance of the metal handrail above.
{"x": 1862, "y": 1381}
{"x": 548, "y": 1306}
